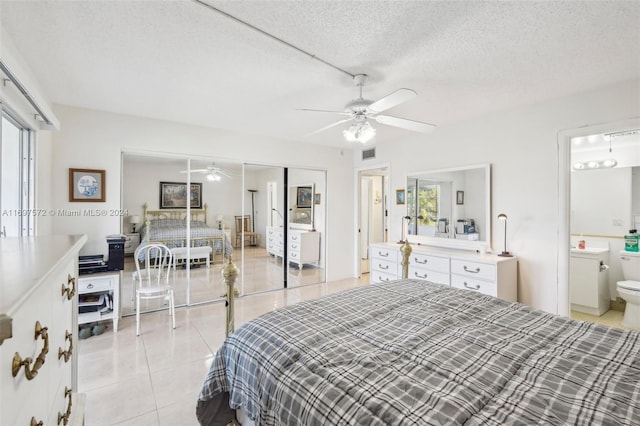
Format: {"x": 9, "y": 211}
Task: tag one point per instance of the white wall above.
{"x": 95, "y": 139}
{"x": 522, "y": 146}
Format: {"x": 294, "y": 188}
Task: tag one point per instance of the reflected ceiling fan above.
{"x": 361, "y": 111}
{"x": 213, "y": 173}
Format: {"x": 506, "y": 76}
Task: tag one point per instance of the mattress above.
{"x": 414, "y": 352}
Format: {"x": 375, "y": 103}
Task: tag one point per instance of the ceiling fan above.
{"x": 212, "y": 172}
{"x": 362, "y": 111}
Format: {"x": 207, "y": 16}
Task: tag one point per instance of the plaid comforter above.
{"x": 174, "y": 232}
{"x": 412, "y": 352}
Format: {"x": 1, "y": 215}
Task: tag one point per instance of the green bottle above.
{"x": 631, "y": 241}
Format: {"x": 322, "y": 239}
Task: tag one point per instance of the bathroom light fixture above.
{"x": 590, "y": 165}
{"x": 360, "y": 132}
{"x": 504, "y": 253}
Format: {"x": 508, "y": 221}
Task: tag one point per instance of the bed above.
{"x": 414, "y": 352}
{"x": 168, "y": 226}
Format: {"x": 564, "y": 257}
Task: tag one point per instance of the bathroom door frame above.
{"x": 563, "y": 303}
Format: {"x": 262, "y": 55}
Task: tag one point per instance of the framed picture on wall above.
{"x": 399, "y": 196}
{"x": 316, "y": 198}
{"x": 459, "y": 197}
{"x": 86, "y": 185}
{"x": 304, "y": 196}
{"x": 174, "y": 195}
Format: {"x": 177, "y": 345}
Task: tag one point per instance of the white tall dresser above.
{"x": 38, "y": 331}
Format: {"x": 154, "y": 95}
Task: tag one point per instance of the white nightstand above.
{"x": 95, "y": 288}
{"x": 132, "y": 241}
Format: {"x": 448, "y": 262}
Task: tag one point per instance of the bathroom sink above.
{"x": 589, "y": 250}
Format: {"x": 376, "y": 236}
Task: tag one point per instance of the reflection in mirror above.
{"x": 301, "y": 202}
{"x": 306, "y": 216}
{"x": 450, "y": 204}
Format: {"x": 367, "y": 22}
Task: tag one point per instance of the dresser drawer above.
{"x": 93, "y": 284}
{"x": 427, "y": 275}
{"x": 467, "y": 283}
{"x": 385, "y": 253}
{"x": 385, "y": 266}
{"x": 432, "y": 263}
{"x": 484, "y": 271}
{"x": 380, "y": 277}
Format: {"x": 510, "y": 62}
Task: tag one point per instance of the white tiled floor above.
{"x": 155, "y": 378}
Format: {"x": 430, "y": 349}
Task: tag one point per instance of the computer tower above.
{"x": 115, "y": 262}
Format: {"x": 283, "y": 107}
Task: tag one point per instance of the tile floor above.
{"x": 155, "y": 378}
{"x": 611, "y": 318}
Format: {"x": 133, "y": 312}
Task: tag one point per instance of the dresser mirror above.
{"x": 450, "y": 207}
{"x": 301, "y": 203}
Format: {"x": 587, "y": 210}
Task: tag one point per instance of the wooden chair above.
{"x": 244, "y": 227}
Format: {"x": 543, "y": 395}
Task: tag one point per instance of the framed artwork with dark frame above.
{"x": 173, "y": 195}
{"x": 399, "y": 196}
{"x": 459, "y": 197}
{"x": 304, "y": 196}
{"x": 87, "y": 185}
{"x": 316, "y": 198}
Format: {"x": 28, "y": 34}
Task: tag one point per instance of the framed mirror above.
{"x": 301, "y": 202}
{"x": 450, "y": 207}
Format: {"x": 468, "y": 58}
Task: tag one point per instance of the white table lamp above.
{"x": 134, "y": 220}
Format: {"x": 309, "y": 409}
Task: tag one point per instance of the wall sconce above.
{"x": 504, "y": 253}
{"x": 134, "y": 220}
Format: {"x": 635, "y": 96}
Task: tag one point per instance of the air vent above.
{"x": 369, "y": 153}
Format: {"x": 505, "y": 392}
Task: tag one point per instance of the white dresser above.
{"x": 303, "y": 247}
{"x": 38, "y": 331}
{"x": 486, "y": 273}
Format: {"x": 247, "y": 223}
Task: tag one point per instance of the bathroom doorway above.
{"x": 595, "y": 159}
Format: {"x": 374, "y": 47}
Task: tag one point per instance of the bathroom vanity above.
{"x": 588, "y": 284}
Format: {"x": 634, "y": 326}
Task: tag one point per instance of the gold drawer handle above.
{"x": 417, "y": 260}
{"x": 417, "y": 275}
{"x": 473, "y": 271}
{"x": 383, "y": 267}
{"x": 34, "y": 422}
{"x": 383, "y": 254}
{"x": 71, "y": 291}
{"x": 66, "y": 354}
{"x": 18, "y": 362}
{"x": 64, "y": 418}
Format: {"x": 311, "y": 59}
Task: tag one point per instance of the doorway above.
{"x": 373, "y": 190}
{"x": 565, "y": 208}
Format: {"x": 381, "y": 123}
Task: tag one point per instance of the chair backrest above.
{"x": 243, "y": 223}
{"x": 156, "y": 266}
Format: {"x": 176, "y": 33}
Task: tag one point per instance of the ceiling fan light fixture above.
{"x": 359, "y": 132}
{"x": 213, "y": 177}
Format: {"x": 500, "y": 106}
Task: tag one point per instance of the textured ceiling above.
{"x": 181, "y": 61}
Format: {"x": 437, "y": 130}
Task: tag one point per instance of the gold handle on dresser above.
{"x": 64, "y": 418}
{"x": 71, "y": 291}
{"x": 66, "y": 354}
{"x": 34, "y": 422}
{"x": 473, "y": 271}
{"x": 18, "y": 362}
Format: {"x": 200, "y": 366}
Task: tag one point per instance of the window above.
{"x": 17, "y": 179}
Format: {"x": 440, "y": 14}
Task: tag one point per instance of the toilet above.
{"x": 629, "y": 289}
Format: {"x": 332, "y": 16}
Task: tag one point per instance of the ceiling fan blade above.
{"x": 329, "y": 126}
{"x": 322, "y": 110}
{"x": 389, "y": 101}
{"x": 416, "y": 126}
